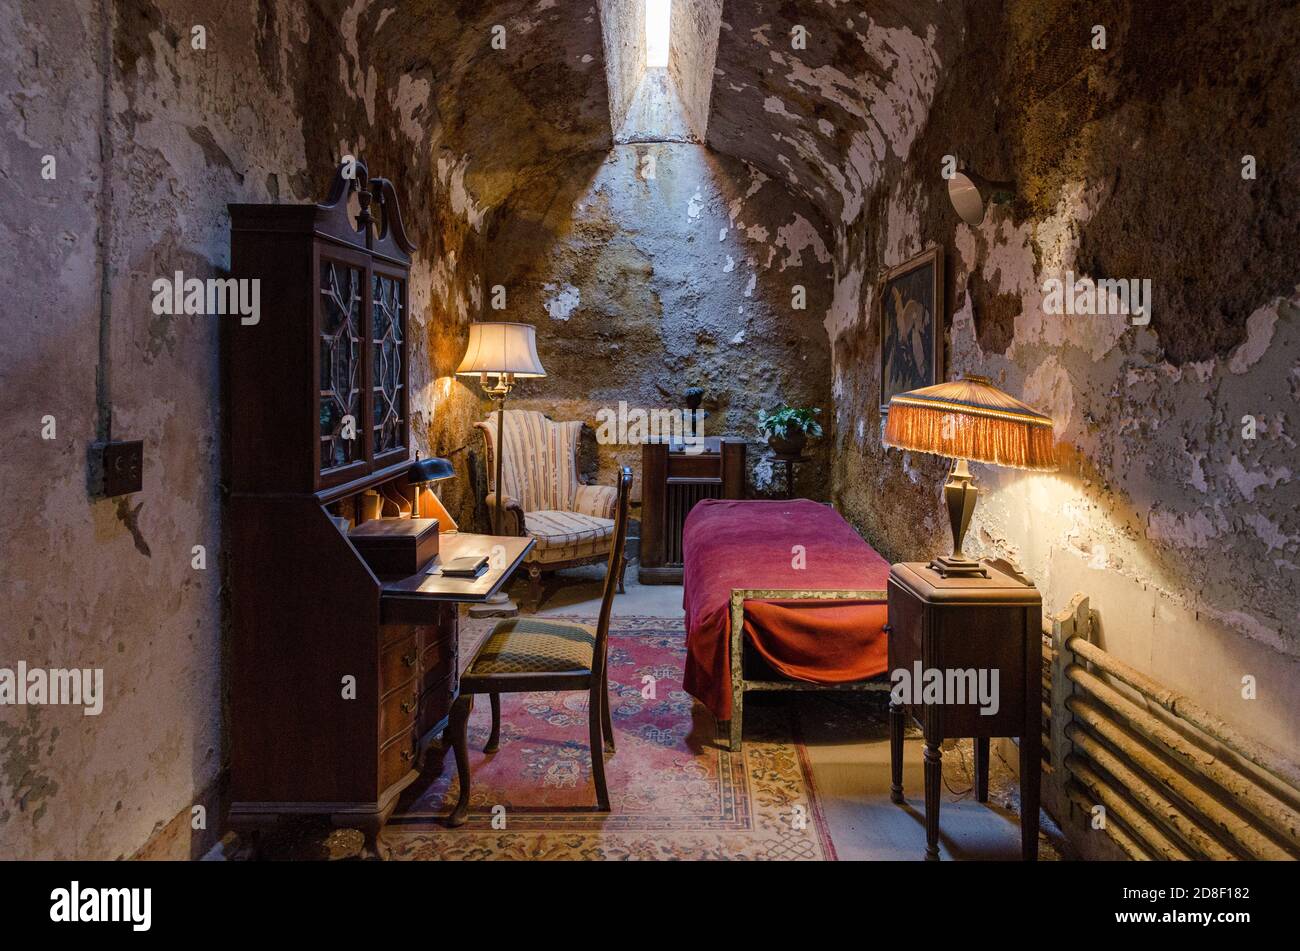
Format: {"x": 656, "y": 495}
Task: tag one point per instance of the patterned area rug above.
{"x": 675, "y": 792}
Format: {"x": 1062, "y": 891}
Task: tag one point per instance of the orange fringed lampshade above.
{"x": 964, "y": 420}
{"x": 974, "y": 420}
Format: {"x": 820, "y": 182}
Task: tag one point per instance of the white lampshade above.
{"x": 498, "y": 348}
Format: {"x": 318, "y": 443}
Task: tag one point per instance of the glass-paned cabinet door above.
{"x": 388, "y": 363}
{"x": 340, "y": 364}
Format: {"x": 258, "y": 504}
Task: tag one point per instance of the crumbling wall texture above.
{"x": 1182, "y": 527}
{"x": 622, "y": 25}
{"x": 145, "y": 169}
{"x": 494, "y": 121}
{"x": 661, "y": 266}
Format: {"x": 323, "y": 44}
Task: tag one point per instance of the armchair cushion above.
{"x": 564, "y": 536}
{"x": 597, "y": 500}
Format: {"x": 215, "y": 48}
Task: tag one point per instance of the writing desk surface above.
{"x": 424, "y": 586}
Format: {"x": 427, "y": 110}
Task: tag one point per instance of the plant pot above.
{"x": 791, "y": 444}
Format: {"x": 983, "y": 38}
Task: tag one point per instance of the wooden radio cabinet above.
{"x": 334, "y": 692}
{"x": 672, "y": 481}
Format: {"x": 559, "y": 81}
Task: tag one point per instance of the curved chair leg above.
{"x": 622, "y": 573}
{"x": 605, "y": 721}
{"x": 456, "y": 726}
{"x": 597, "y": 750}
{"x": 495, "y": 737}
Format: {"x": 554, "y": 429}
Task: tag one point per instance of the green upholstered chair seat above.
{"x": 530, "y": 645}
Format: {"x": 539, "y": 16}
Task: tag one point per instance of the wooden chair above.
{"x": 528, "y": 654}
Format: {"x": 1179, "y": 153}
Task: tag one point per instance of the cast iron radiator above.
{"x": 1163, "y": 778}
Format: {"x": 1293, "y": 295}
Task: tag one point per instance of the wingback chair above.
{"x": 572, "y": 523}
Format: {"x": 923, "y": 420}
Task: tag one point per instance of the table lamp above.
{"x": 422, "y": 474}
{"x": 969, "y": 419}
{"x": 507, "y": 352}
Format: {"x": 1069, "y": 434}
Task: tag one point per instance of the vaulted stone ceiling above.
{"x": 823, "y": 117}
{"x": 827, "y": 116}
{"x": 506, "y": 114}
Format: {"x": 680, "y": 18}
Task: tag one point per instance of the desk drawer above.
{"x": 396, "y": 759}
{"x": 397, "y": 663}
{"x": 398, "y": 712}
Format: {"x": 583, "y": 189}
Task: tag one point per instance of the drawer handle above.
{"x": 887, "y": 629}
{"x": 409, "y": 659}
{"x": 406, "y": 755}
{"x": 408, "y": 706}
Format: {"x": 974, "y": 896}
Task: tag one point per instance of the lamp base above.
{"x": 949, "y": 566}
{"x": 499, "y": 605}
{"x": 960, "y": 495}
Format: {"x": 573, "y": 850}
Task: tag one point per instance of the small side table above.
{"x": 789, "y": 462}
{"x": 968, "y": 624}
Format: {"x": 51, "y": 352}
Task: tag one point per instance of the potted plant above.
{"x": 788, "y": 428}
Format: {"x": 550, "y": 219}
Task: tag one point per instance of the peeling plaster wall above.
{"x": 109, "y": 584}
{"x": 693, "y": 51}
{"x": 623, "y": 28}
{"x": 838, "y": 90}
{"x": 643, "y": 286}
{"x": 1184, "y": 532}
{"x": 282, "y": 90}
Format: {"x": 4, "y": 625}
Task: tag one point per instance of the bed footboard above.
{"x": 740, "y": 686}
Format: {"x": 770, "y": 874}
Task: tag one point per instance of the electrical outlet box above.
{"x": 116, "y": 468}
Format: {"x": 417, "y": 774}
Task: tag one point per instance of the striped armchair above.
{"x": 572, "y": 523}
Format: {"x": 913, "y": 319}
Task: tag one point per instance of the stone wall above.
{"x": 1182, "y": 528}
{"x": 661, "y": 266}
{"x": 153, "y": 133}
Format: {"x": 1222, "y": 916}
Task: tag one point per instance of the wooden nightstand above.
{"x": 977, "y": 626}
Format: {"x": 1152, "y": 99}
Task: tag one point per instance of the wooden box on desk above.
{"x": 396, "y": 547}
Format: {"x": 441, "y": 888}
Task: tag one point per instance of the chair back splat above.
{"x": 614, "y": 570}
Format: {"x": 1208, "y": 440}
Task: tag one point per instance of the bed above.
{"x": 786, "y": 588}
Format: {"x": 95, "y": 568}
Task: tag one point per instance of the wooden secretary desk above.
{"x": 339, "y": 678}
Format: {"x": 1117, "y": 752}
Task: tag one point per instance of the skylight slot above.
{"x": 658, "y": 14}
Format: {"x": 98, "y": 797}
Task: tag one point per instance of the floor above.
{"x": 847, "y": 744}
{"x": 850, "y": 766}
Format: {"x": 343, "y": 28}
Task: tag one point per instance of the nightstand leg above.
{"x": 981, "y": 769}
{"x": 897, "y": 721}
{"x": 1031, "y": 775}
{"x": 933, "y": 783}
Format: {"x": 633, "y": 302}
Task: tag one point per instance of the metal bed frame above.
{"x": 740, "y": 686}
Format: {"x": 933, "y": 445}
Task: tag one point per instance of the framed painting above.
{"x": 910, "y": 305}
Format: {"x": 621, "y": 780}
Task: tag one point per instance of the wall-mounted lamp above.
{"x": 970, "y": 193}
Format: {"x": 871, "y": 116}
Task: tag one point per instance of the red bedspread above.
{"x": 733, "y": 544}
